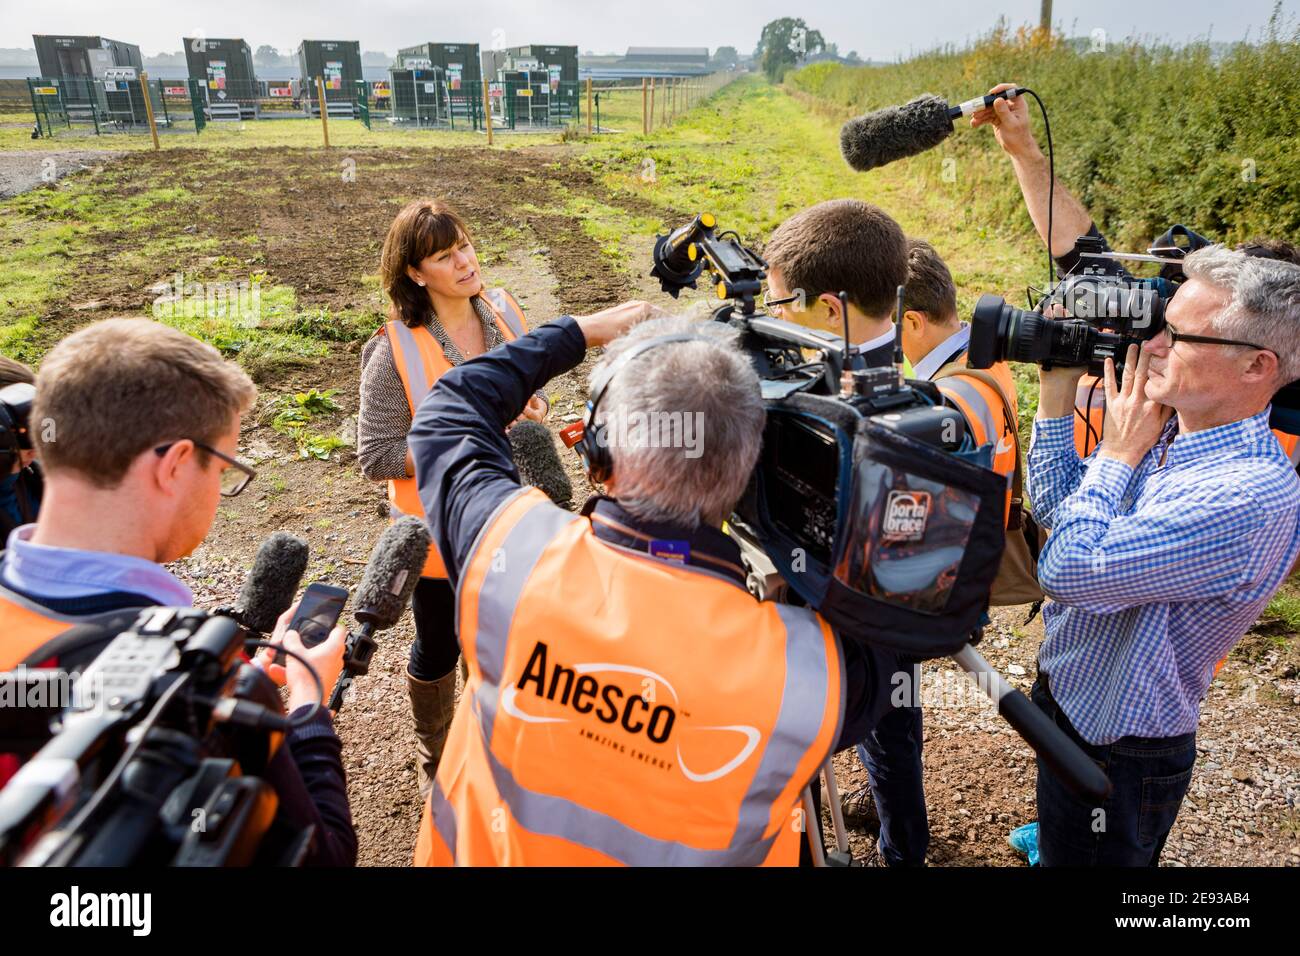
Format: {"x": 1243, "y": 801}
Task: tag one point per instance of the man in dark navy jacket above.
{"x": 465, "y": 472}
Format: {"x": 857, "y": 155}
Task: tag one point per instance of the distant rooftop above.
{"x": 668, "y": 51}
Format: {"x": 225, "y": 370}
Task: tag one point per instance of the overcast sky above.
{"x": 876, "y": 30}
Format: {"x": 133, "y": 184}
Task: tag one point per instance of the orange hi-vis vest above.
{"x": 26, "y": 627}
{"x": 623, "y": 709}
{"x": 989, "y": 418}
{"x": 420, "y": 362}
{"x": 1089, "y": 414}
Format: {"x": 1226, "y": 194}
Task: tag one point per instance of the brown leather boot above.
{"x": 433, "y": 704}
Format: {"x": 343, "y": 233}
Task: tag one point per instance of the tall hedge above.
{"x": 1145, "y": 135}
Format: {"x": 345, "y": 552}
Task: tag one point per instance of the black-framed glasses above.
{"x": 1173, "y": 337}
{"x": 770, "y": 305}
{"x": 233, "y": 479}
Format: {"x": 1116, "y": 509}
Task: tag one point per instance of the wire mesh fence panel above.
{"x": 409, "y": 99}
{"x": 616, "y": 108}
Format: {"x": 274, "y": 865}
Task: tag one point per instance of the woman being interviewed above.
{"x": 441, "y": 315}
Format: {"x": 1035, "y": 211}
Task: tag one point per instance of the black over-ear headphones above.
{"x": 594, "y": 447}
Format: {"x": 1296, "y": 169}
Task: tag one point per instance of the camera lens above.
{"x": 988, "y": 331}
{"x": 1000, "y": 332}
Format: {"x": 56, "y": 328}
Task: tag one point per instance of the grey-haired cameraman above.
{"x": 1070, "y": 220}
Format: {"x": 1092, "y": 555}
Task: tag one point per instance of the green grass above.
{"x": 1285, "y": 607}
{"x": 754, "y": 155}
{"x": 46, "y": 233}
{"x": 270, "y": 334}
{"x": 297, "y": 131}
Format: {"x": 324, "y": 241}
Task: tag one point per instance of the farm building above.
{"x": 649, "y": 61}
{"x": 692, "y": 58}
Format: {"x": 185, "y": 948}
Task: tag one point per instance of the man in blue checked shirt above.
{"x": 1165, "y": 545}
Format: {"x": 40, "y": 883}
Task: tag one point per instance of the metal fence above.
{"x": 411, "y": 101}
{"x": 112, "y": 105}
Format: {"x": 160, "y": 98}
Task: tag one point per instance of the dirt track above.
{"x": 21, "y": 170}
{"x": 291, "y": 214}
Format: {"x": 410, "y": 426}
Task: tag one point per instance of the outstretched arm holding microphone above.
{"x": 1009, "y": 118}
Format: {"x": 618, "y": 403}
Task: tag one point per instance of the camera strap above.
{"x": 1009, "y": 423}
{"x": 1017, "y": 579}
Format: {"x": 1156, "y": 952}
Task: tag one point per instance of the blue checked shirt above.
{"x": 1154, "y": 574}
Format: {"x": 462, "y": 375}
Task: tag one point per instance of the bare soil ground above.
{"x": 291, "y": 214}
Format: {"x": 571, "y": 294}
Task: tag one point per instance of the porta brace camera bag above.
{"x": 918, "y": 532}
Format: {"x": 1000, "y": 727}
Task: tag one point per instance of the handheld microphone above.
{"x": 538, "y": 462}
{"x": 272, "y": 584}
{"x": 897, "y": 132}
{"x": 381, "y": 598}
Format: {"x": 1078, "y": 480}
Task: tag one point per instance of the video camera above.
{"x": 1106, "y": 309}
{"x": 869, "y": 498}
{"x": 15, "y": 415}
{"x": 160, "y": 755}
{"x": 165, "y": 751}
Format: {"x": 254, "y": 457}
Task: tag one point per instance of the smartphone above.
{"x": 318, "y": 612}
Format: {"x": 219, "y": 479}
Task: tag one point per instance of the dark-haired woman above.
{"x": 441, "y": 315}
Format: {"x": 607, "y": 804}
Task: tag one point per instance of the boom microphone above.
{"x": 533, "y": 449}
{"x": 897, "y": 132}
{"x": 272, "y": 584}
{"x": 392, "y": 573}
{"x": 383, "y": 594}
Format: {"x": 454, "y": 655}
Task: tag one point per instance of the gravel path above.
{"x": 21, "y": 170}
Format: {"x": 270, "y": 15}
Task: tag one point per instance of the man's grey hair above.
{"x": 1263, "y": 305}
{"x": 685, "y": 422}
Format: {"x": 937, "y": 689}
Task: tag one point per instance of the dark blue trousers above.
{"x": 1150, "y": 777}
{"x": 891, "y": 754}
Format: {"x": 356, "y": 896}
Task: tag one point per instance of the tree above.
{"x": 725, "y": 57}
{"x": 783, "y": 44}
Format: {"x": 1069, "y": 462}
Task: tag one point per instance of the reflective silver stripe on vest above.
{"x": 803, "y": 703}
{"x": 968, "y": 393}
{"x": 444, "y": 817}
{"x": 498, "y": 297}
{"x": 416, "y": 376}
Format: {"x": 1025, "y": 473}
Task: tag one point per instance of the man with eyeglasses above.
{"x": 136, "y": 426}
{"x": 841, "y": 245}
{"x": 1166, "y": 543}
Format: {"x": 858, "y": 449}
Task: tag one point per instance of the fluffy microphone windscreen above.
{"x": 895, "y": 132}
{"x": 270, "y": 587}
{"x": 392, "y": 572}
{"x": 533, "y": 448}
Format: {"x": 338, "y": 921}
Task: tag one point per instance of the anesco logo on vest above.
{"x": 575, "y": 687}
